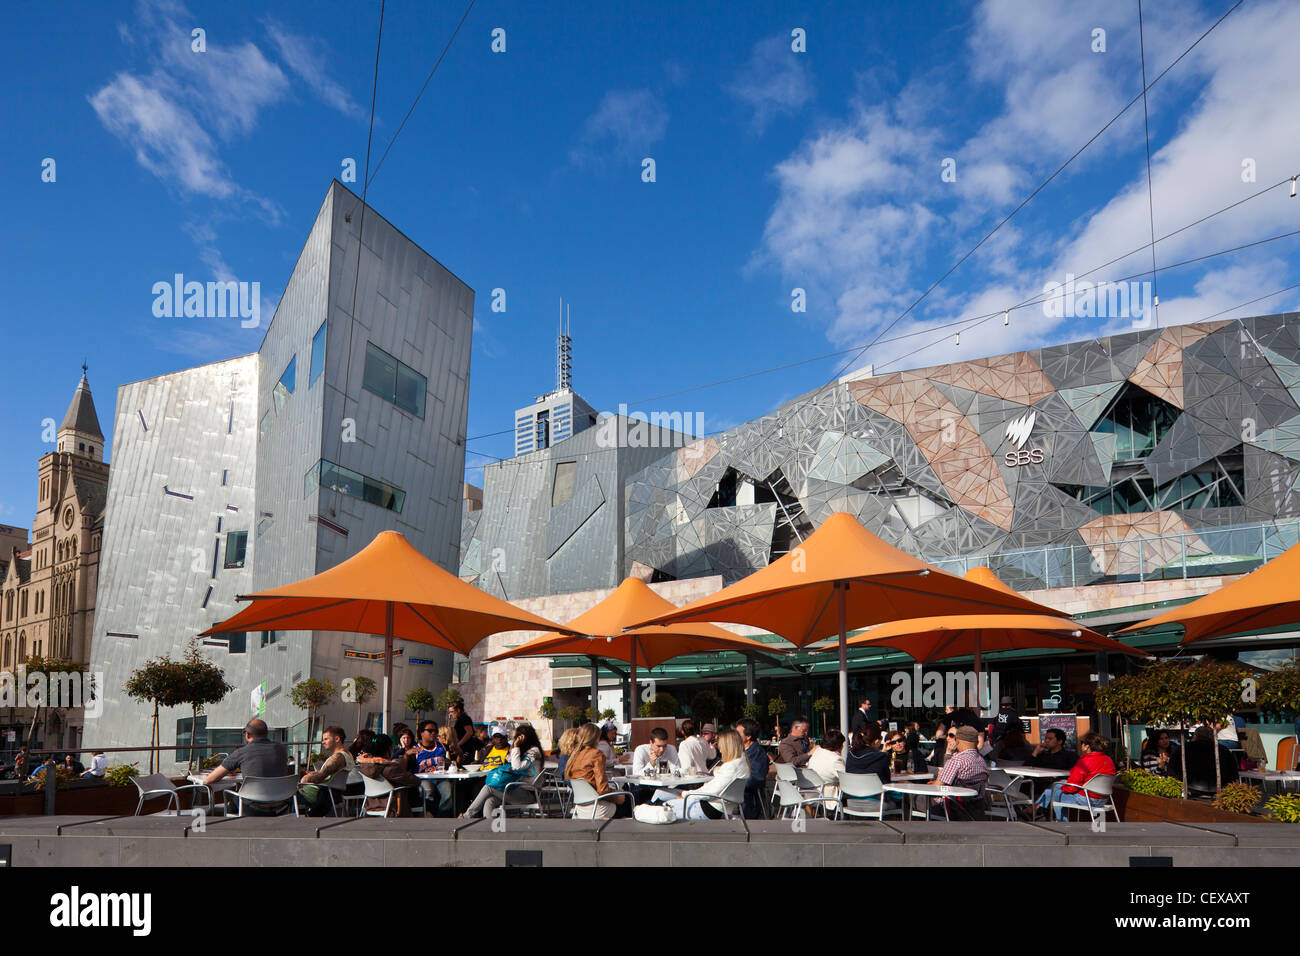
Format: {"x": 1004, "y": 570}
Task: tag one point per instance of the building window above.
{"x": 394, "y": 382}
{"x": 238, "y": 642}
{"x": 543, "y": 433}
{"x": 284, "y": 388}
{"x": 236, "y": 545}
{"x": 317, "y": 355}
{"x": 264, "y": 426}
{"x": 1138, "y": 420}
{"x": 22, "y": 604}
{"x": 345, "y": 481}
{"x": 562, "y": 486}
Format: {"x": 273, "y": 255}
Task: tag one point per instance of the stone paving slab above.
{"x": 1255, "y": 834}
{"x": 822, "y": 831}
{"x": 533, "y": 831}
{"x": 50, "y": 825}
{"x": 401, "y": 828}
{"x": 1138, "y": 834}
{"x": 683, "y": 831}
{"x": 941, "y": 831}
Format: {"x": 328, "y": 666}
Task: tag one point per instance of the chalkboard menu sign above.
{"x": 1069, "y": 723}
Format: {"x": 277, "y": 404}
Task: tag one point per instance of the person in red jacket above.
{"x": 1092, "y": 762}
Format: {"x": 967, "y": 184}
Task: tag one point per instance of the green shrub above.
{"x": 211, "y": 762}
{"x": 1285, "y": 807}
{"x": 548, "y": 709}
{"x": 1237, "y": 798}
{"x": 749, "y": 711}
{"x": 62, "y": 777}
{"x": 661, "y": 705}
{"x": 122, "y": 774}
{"x": 1141, "y": 781}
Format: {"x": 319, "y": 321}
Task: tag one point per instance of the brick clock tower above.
{"x": 47, "y": 592}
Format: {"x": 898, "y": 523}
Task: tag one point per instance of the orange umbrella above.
{"x": 843, "y": 576}
{"x": 391, "y": 589}
{"x": 606, "y": 631}
{"x": 1267, "y": 597}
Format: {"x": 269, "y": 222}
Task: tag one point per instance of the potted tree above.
{"x": 776, "y": 706}
{"x": 1179, "y": 693}
{"x": 823, "y": 706}
{"x": 363, "y": 689}
{"x": 706, "y": 707}
{"x": 202, "y": 683}
{"x": 311, "y": 695}
{"x": 420, "y": 700}
{"x": 661, "y": 704}
{"x": 159, "y": 682}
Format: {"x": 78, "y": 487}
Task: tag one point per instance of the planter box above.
{"x": 82, "y": 798}
{"x": 1145, "y": 808}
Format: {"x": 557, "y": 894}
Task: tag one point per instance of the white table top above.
{"x": 910, "y": 777}
{"x": 1033, "y": 771}
{"x": 926, "y": 790}
{"x": 453, "y": 775}
{"x": 668, "y": 781}
{"x": 227, "y": 781}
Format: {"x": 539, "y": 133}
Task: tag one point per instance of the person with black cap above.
{"x": 1006, "y": 717}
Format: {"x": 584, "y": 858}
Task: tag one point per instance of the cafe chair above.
{"x": 1006, "y": 796}
{"x": 863, "y": 795}
{"x": 793, "y": 802}
{"x": 353, "y": 803}
{"x": 382, "y": 788}
{"x": 1102, "y": 785}
{"x": 525, "y": 796}
{"x": 265, "y": 792}
{"x": 732, "y": 799}
{"x": 585, "y": 795}
{"x": 159, "y": 785}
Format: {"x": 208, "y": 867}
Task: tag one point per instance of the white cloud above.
{"x": 307, "y": 58}
{"x": 773, "y": 82}
{"x": 862, "y": 216}
{"x": 626, "y": 123}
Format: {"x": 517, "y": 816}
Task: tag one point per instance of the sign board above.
{"x": 416, "y": 660}
{"x": 364, "y": 655}
{"x": 1069, "y": 723}
{"x": 257, "y": 700}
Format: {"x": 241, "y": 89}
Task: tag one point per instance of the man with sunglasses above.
{"x": 964, "y": 768}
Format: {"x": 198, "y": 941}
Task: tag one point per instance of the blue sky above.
{"x": 775, "y": 170}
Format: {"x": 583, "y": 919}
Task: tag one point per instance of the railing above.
{"x": 1207, "y": 552}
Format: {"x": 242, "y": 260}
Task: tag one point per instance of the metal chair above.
{"x": 379, "y": 788}
{"x": 521, "y": 790}
{"x": 793, "y": 801}
{"x": 159, "y": 785}
{"x": 265, "y": 792}
{"x": 585, "y": 795}
{"x": 1099, "y": 785}
{"x": 354, "y": 803}
{"x": 1003, "y": 790}
{"x": 863, "y": 795}
{"x": 809, "y": 781}
{"x": 335, "y": 787}
{"x": 732, "y": 799}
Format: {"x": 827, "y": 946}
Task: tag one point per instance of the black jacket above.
{"x": 1200, "y": 766}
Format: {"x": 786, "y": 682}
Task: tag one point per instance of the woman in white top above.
{"x": 827, "y": 761}
{"x": 734, "y": 765}
{"x": 605, "y": 745}
{"x": 526, "y": 758}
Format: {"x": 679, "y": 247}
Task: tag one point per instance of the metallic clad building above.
{"x": 345, "y": 423}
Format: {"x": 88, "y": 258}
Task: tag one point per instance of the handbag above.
{"x": 499, "y": 777}
{"x": 654, "y": 813}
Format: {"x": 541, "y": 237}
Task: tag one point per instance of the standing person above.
{"x": 694, "y": 752}
{"x": 525, "y": 762}
{"x": 963, "y": 716}
{"x": 22, "y": 762}
{"x": 1092, "y": 762}
{"x": 860, "y": 717}
{"x": 1005, "y": 719}
{"x": 758, "y": 766}
{"x": 337, "y": 761}
{"x": 865, "y": 755}
{"x": 794, "y": 749}
{"x": 462, "y": 728}
{"x": 588, "y": 763}
{"x": 942, "y": 742}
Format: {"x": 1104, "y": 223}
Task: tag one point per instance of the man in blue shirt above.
{"x": 758, "y": 766}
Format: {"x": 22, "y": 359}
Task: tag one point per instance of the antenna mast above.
{"x": 563, "y": 354}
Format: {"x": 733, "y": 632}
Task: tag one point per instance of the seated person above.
{"x": 259, "y": 757}
{"x": 526, "y": 760}
{"x": 1051, "y": 753}
{"x": 1158, "y": 753}
{"x": 904, "y": 756}
{"x": 795, "y": 748}
{"x": 1200, "y": 762}
{"x": 337, "y": 761}
{"x": 430, "y": 749}
{"x": 497, "y": 752}
{"x": 72, "y": 764}
{"x": 1012, "y": 745}
{"x": 608, "y": 734}
{"x": 827, "y": 761}
{"x": 656, "y": 752}
{"x": 588, "y": 763}
{"x": 98, "y": 765}
{"x": 865, "y": 755}
{"x": 1092, "y": 762}
{"x": 694, "y": 752}
{"x": 759, "y": 763}
{"x": 568, "y": 741}
{"x": 734, "y": 766}
{"x": 964, "y": 768}
{"x": 376, "y": 762}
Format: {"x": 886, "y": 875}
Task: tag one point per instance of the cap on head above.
{"x": 1006, "y": 701}
{"x": 968, "y": 734}
{"x": 708, "y": 729}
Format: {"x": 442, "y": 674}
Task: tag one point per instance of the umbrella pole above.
{"x": 633, "y": 693}
{"x": 388, "y": 665}
{"x": 595, "y": 683}
{"x": 979, "y": 707}
{"x": 842, "y": 587}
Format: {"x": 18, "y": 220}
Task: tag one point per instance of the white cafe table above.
{"x": 466, "y": 774}
{"x": 228, "y": 782}
{"x": 1283, "y": 778}
{"x": 926, "y": 790}
{"x": 1044, "y": 773}
{"x": 668, "y": 781}
{"x": 912, "y": 777}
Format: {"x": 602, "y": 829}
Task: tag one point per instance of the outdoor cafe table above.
{"x": 1043, "y": 772}
{"x": 228, "y": 782}
{"x": 668, "y": 781}
{"x": 926, "y": 790}
{"x": 911, "y": 777}
{"x": 471, "y": 772}
{"x": 1283, "y": 778}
